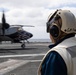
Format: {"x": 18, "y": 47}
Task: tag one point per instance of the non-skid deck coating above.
{"x": 17, "y": 61}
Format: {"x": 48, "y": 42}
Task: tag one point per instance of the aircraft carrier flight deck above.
{"x": 17, "y": 61}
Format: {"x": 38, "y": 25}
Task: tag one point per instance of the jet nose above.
{"x": 31, "y": 35}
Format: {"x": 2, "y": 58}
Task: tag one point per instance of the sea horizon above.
{"x": 39, "y": 40}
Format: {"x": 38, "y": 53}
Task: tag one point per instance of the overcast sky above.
{"x": 33, "y": 12}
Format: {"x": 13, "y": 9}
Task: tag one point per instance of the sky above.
{"x": 33, "y": 12}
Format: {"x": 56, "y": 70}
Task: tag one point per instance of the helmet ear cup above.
{"x": 54, "y": 31}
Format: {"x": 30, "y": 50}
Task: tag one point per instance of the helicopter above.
{"x": 14, "y": 33}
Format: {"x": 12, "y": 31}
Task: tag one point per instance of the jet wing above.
{"x": 22, "y": 25}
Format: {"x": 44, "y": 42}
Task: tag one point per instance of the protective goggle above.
{"x": 49, "y": 24}
{"x": 51, "y": 20}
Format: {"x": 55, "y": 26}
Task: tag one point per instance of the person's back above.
{"x": 61, "y": 58}
{"x": 67, "y": 49}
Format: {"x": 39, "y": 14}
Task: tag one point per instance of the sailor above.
{"x": 61, "y": 58}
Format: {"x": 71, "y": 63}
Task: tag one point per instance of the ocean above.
{"x": 33, "y": 40}
{"x": 39, "y": 40}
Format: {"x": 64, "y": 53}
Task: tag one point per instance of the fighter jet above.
{"x": 13, "y": 33}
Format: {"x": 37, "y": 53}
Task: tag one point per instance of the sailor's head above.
{"x": 61, "y": 23}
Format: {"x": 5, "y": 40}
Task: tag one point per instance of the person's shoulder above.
{"x": 52, "y": 54}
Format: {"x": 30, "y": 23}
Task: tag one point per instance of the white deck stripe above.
{"x": 12, "y": 64}
{"x": 23, "y": 55}
{"x": 8, "y": 66}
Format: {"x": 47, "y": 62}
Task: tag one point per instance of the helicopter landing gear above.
{"x": 23, "y": 45}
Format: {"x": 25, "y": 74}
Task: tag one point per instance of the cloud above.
{"x": 33, "y": 12}
{"x": 60, "y": 3}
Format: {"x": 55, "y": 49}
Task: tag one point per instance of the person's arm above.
{"x": 53, "y": 65}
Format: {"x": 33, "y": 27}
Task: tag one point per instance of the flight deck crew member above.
{"x": 61, "y": 58}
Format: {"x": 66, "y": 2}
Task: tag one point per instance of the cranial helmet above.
{"x": 68, "y": 21}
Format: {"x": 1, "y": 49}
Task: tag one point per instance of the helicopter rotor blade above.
{"x": 4, "y": 24}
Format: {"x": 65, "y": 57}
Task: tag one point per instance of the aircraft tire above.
{"x": 23, "y": 46}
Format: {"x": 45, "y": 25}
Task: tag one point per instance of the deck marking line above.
{"x": 12, "y": 64}
{"x": 21, "y": 55}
